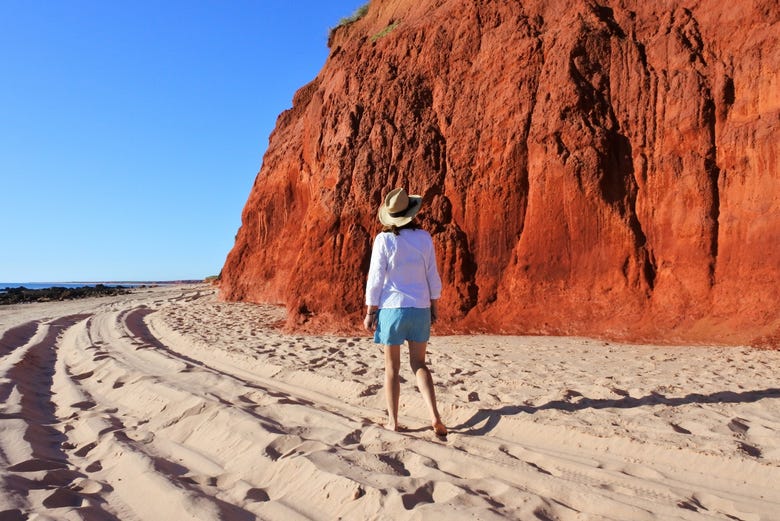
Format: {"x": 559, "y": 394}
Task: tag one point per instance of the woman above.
{"x": 401, "y": 294}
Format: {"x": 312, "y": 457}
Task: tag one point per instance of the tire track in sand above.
{"x": 39, "y": 476}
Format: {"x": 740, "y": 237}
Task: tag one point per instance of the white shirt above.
{"x": 403, "y": 271}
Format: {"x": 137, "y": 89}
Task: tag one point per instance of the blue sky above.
{"x": 131, "y": 131}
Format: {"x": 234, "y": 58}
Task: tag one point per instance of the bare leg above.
{"x": 425, "y": 384}
{"x": 392, "y": 384}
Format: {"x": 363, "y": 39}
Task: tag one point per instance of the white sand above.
{"x": 169, "y": 405}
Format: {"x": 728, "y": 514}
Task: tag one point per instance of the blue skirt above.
{"x": 394, "y": 325}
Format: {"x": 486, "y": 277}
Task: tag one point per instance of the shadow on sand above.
{"x": 485, "y": 420}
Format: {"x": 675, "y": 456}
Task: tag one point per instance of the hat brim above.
{"x": 415, "y": 203}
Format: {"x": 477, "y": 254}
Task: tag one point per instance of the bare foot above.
{"x": 439, "y": 428}
{"x": 391, "y": 426}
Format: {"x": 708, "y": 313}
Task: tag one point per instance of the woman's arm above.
{"x": 432, "y": 274}
{"x": 375, "y": 282}
{"x": 434, "y": 311}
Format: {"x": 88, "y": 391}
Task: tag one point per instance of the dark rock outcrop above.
{"x": 23, "y": 295}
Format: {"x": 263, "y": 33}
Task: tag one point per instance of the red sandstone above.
{"x": 589, "y": 168}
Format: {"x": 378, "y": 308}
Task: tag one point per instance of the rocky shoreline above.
{"x": 22, "y": 295}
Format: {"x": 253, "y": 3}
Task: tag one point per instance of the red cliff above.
{"x": 599, "y": 168}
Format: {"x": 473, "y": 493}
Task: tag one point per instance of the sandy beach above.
{"x": 168, "y": 404}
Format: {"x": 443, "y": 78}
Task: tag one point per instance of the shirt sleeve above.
{"x": 432, "y": 273}
{"x": 376, "y": 272}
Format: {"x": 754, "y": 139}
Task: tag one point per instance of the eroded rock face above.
{"x": 599, "y": 168}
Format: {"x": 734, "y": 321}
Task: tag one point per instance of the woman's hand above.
{"x": 370, "y": 321}
{"x": 434, "y": 311}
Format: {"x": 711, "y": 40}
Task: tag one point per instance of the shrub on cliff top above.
{"x": 359, "y": 13}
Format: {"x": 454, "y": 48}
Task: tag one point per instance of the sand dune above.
{"x": 167, "y": 404}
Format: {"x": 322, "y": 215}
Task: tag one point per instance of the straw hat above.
{"x": 399, "y": 208}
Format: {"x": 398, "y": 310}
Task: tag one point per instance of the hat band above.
{"x": 398, "y": 214}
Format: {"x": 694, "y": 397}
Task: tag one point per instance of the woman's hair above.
{"x": 395, "y": 230}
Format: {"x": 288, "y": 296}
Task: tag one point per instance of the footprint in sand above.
{"x": 135, "y": 435}
{"x": 35, "y": 465}
{"x": 13, "y": 515}
{"x": 294, "y": 401}
{"x": 83, "y": 451}
{"x": 256, "y": 494}
{"x": 84, "y": 406}
{"x": 679, "y": 429}
{"x": 62, "y": 498}
{"x": 370, "y": 390}
{"x": 422, "y": 495}
{"x": 59, "y": 478}
{"x": 750, "y": 450}
{"x": 282, "y": 446}
{"x": 739, "y": 426}
{"x": 539, "y": 469}
{"x": 205, "y": 481}
{"x": 699, "y": 502}
{"x": 87, "y": 486}
{"x": 395, "y": 463}
{"x": 353, "y": 438}
{"x": 318, "y": 362}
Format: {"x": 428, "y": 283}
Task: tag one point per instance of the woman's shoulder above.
{"x": 419, "y": 232}
{"x": 414, "y": 234}
{"x": 384, "y": 238}
{"x": 418, "y": 236}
